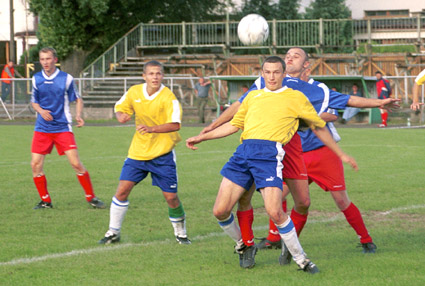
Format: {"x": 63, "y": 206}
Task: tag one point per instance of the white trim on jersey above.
{"x": 67, "y": 111}
{"x": 420, "y": 76}
{"x": 151, "y": 97}
{"x": 175, "y": 117}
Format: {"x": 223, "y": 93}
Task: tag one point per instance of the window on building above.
{"x": 387, "y": 13}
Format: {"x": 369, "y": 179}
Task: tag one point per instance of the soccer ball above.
{"x": 253, "y": 30}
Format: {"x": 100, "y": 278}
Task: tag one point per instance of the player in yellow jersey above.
{"x": 158, "y": 117}
{"x": 420, "y": 80}
{"x": 269, "y": 118}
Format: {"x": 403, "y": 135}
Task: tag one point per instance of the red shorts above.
{"x": 42, "y": 143}
{"x": 325, "y": 169}
{"x": 293, "y": 162}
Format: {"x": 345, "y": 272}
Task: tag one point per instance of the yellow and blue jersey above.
{"x": 151, "y": 110}
{"x": 274, "y": 115}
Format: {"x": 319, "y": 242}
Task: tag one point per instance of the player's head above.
{"x": 355, "y": 87}
{"x": 10, "y": 64}
{"x": 272, "y": 71}
{"x": 48, "y": 59}
{"x": 378, "y": 75}
{"x": 153, "y": 73}
{"x": 296, "y": 60}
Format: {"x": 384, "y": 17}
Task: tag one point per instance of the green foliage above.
{"x": 93, "y": 25}
{"x": 327, "y": 9}
{"x": 59, "y": 246}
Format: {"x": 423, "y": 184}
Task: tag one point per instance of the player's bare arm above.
{"x": 79, "y": 110}
{"x": 122, "y": 117}
{"x": 163, "y": 128}
{"x": 415, "y": 104}
{"x": 220, "y": 132}
{"x": 226, "y": 116}
{"x": 328, "y": 117}
{"x": 43, "y": 112}
{"x": 361, "y": 102}
{"x": 326, "y": 137}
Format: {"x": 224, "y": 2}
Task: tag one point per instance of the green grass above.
{"x": 59, "y": 246}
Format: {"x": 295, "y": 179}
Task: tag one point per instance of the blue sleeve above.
{"x": 338, "y": 100}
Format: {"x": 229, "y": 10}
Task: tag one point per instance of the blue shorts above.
{"x": 163, "y": 171}
{"x": 256, "y": 161}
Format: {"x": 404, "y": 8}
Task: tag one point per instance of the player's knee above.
{"x": 302, "y": 205}
{"x": 221, "y": 213}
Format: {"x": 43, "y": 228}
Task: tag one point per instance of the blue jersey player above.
{"x": 53, "y": 90}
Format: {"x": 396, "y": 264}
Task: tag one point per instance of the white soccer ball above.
{"x": 253, "y": 30}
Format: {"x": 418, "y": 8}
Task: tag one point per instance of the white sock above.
{"x": 231, "y": 228}
{"x": 289, "y": 236}
{"x": 117, "y": 213}
{"x": 179, "y": 225}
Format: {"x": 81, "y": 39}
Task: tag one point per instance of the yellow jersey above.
{"x": 274, "y": 115}
{"x": 420, "y": 79}
{"x": 160, "y": 108}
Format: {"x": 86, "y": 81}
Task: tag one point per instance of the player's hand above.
{"x": 416, "y": 105}
{"x": 190, "y": 142}
{"x": 350, "y": 160}
{"x": 390, "y": 104}
{"x": 46, "y": 115}
{"x": 80, "y": 121}
{"x": 143, "y": 129}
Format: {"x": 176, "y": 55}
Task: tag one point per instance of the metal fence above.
{"x": 17, "y": 105}
{"x": 338, "y": 34}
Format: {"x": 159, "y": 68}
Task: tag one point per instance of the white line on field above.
{"x": 71, "y": 253}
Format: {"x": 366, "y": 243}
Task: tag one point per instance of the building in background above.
{"x": 25, "y": 27}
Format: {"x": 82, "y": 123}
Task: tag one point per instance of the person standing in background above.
{"x": 202, "y": 88}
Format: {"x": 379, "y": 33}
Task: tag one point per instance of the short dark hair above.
{"x": 49, "y": 49}
{"x": 378, "y": 72}
{"x": 153, "y": 64}
{"x": 274, "y": 59}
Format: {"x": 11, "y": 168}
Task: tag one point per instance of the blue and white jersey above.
{"x": 321, "y": 97}
{"x": 309, "y": 140}
{"x": 54, "y": 93}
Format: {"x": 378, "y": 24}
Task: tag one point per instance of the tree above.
{"x": 261, "y": 7}
{"x": 76, "y": 28}
{"x": 327, "y": 9}
{"x": 287, "y": 10}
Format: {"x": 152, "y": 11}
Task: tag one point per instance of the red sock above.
{"x": 86, "y": 184}
{"x": 384, "y": 117}
{"x": 299, "y": 221}
{"x": 246, "y": 218}
{"x": 354, "y": 218}
{"x": 41, "y": 185}
{"x": 273, "y": 231}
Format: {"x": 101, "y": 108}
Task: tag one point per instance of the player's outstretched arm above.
{"x": 415, "y": 104}
{"x": 226, "y": 116}
{"x": 361, "y": 102}
{"x": 122, "y": 117}
{"x": 220, "y": 132}
{"x": 326, "y": 137}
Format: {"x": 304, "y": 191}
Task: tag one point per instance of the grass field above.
{"x": 59, "y": 246}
